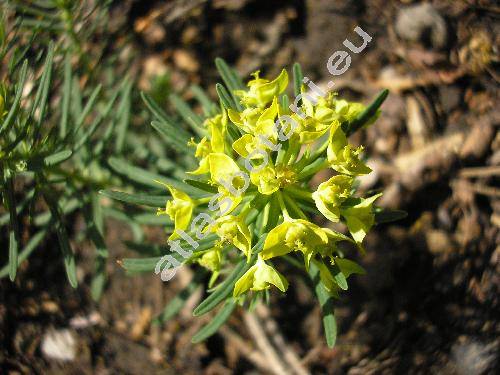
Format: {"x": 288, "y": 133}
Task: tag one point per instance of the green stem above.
{"x": 319, "y": 151}
{"x": 311, "y": 169}
{"x": 265, "y": 218}
{"x": 295, "y": 207}
{"x": 282, "y": 151}
{"x": 245, "y": 210}
{"x": 291, "y": 154}
{"x": 202, "y": 200}
{"x": 281, "y": 202}
{"x": 299, "y": 192}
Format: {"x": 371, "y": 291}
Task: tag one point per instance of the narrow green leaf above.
{"x": 147, "y": 178}
{"x": 57, "y": 158}
{"x": 201, "y": 185}
{"x": 348, "y": 267}
{"x": 95, "y": 226}
{"x": 62, "y": 235}
{"x": 123, "y": 111}
{"x": 326, "y": 304}
{"x": 274, "y": 213}
{"x": 136, "y": 174}
{"x": 156, "y": 110}
{"x": 297, "y": 78}
{"x": 369, "y": 112}
{"x": 312, "y": 168}
{"x": 228, "y": 75}
{"x": 9, "y": 119}
{"x": 66, "y": 97}
{"x": 93, "y": 126}
{"x": 69, "y": 258}
{"x": 31, "y": 24}
{"x": 212, "y": 327}
{"x": 192, "y": 119}
{"x": 86, "y": 110}
{"x": 13, "y": 228}
{"x": 225, "y": 98}
{"x": 145, "y": 249}
{"x": 285, "y": 102}
{"x": 76, "y": 100}
{"x": 42, "y": 95}
{"x": 231, "y": 80}
{"x": 138, "y": 265}
{"x": 259, "y": 202}
{"x": 98, "y": 279}
{"x": 172, "y": 136}
{"x": 209, "y": 107}
{"x": 26, "y": 251}
{"x": 223, "y": 290}
{"x": 387, "y": 216}
{"x": 226, "y": 288}
{"x": 339, "y": 277}
{"x": 143, "y": 218}
{"x": 113, "y": 119}
{"x": 153, "y": 219}
{"x": 140, "y": 199}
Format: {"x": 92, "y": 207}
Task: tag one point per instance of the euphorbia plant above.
{"x": 248, "y": 199}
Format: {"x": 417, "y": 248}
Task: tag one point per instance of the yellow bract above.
{"x": 211, "y": 260}
{"x": 360, "y": 218}
{"x": 179, "y": 209}
{"x": 262, "y": 91}
{"x": 225, "y": 173}
{"x": 260, "y": 277}
{"x": 203, "y": 149}
{"x": 217, "y": 127}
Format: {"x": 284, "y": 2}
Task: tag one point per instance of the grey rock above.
{"x": 415, "y": 22}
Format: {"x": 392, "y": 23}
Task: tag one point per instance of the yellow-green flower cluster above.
{"x": 259, "y": 156}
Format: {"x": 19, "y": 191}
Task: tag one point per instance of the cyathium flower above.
{"x": 320, "y": 118}
{"x": 262, "y": 91}
{"x": 330, "y": 195}
{"x": 260, "y": 277}
{"x": 342, "y": 156}
{"x": 233, "y": 230}
{"x": 293, "y": 234}
{"x": 211, "y": 259}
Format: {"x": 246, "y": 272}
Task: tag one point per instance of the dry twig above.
{"x": 256, "y": 330}
{"x": 272, "y": 328}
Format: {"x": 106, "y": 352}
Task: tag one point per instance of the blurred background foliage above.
{"x": 66, "y": 130}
